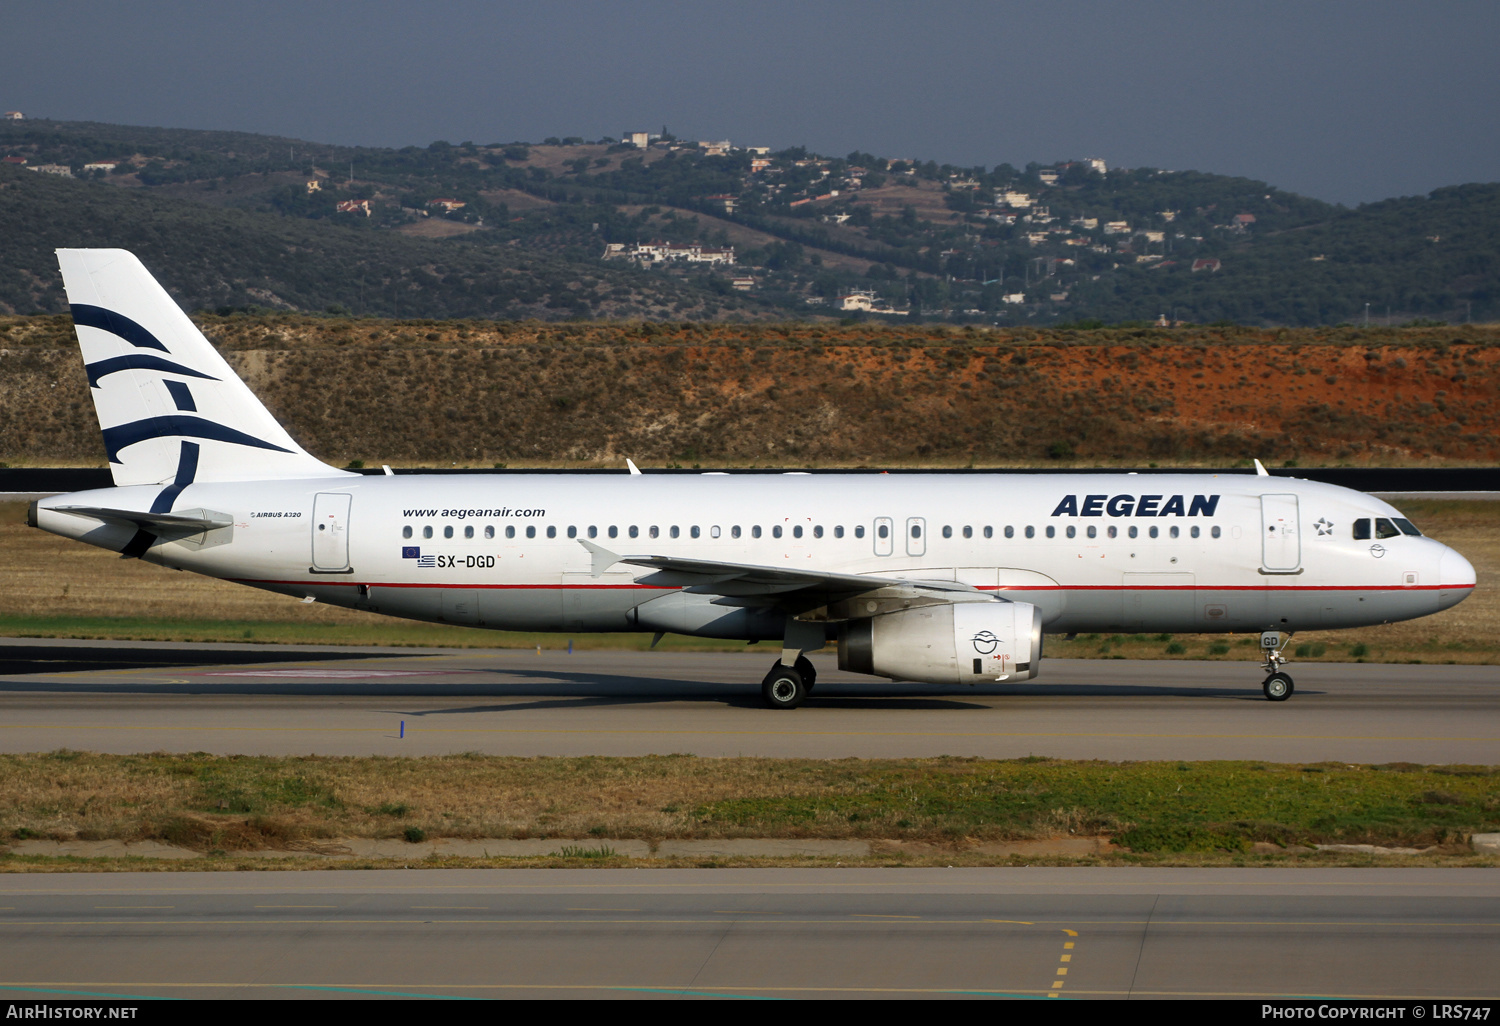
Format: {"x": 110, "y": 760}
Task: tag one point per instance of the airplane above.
{"x": 941, "y": 579}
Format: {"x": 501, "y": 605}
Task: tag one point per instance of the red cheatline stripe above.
{"x": 1028, "y": 587}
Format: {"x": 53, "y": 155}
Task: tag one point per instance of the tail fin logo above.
{"x": 117, "y": 438}
{"x": 116, "y": 324}
{"x": 161, "y": 389}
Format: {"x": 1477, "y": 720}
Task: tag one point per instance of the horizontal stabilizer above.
{"x": 188, "y": 521}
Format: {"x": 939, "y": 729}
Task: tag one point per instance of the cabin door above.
{"x": 1281, "y": 545}
{"x": 330, "y": 531}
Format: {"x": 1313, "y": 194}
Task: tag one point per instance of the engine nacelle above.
{"x": 961, "y": 643}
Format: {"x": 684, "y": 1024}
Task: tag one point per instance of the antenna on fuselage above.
{"x": 1261, "y": 471}
{"x": 633, "y": 468}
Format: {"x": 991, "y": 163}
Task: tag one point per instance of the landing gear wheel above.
{"x": 783, "y": 687}
{"x": 804, "y": 666}
{"x": 1278, "y": 687}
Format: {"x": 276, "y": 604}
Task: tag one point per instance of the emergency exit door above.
{"x": 330, "y": 531}
{"x": 1281, "y": 543}
{"x": 916, "y": 536}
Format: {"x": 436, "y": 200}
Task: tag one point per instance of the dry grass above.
{"x": 231, "y": 803}
{"x": 61, "y": 588}
{"x": 229, "y": 862}
{"x": 435, "y": 393}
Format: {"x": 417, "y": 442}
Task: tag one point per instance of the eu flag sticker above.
{"x": 411, "y": 551}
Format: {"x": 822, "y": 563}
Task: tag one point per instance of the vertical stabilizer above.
{"x": 172, "y": 410}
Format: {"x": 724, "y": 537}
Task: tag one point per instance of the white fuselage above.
{"x": 1233, "y": 553}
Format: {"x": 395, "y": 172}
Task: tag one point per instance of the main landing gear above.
{"x": 787, "y": 687}
{"x": 1277, "y": 686}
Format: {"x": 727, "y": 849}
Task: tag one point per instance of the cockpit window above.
{"x": 1361, "y": 530}
{"x": 1407, "y": 527}
{"x": 1385, "y": 529}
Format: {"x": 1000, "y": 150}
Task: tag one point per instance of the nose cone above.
{"x": 1455, "y": 579}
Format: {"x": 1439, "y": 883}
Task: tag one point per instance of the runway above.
{"x": 135, "y": 697}
{"x": 888, "y": 933}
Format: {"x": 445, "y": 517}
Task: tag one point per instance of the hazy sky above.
{"x": 1346, "y": 101}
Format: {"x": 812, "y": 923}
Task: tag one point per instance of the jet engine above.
{"x": 959, "y": 643}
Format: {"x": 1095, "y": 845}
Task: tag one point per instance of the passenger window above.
{"x": 1407, "y": 527}
{"x": 427, "y": 531}
{"x": 469, "y": 531}
{"x": 713, "y": 532}
{"x": 916, "y": 530}
{"x": 968, "y": 531}
{"x": 776, "y": 531}
{"x": 817, "y": 530}
{"x": 674, "y": 532}
{"x": 1133, "y": 531}
{"x": 510, "y": 531}
{"x": 406, "y": 531}
{"x": 448, "y": 531}
{"x": 989, "y": 532}
{"x": 1072, "y": 531}
{"x": 655, "y": 531}
{"x": 1010, "y": 532}
{"x": 734, "y": 532}
{"x": 1361, "y": 530}
{"x": 1174, "y": 531}
{"x": 489, "y": 530}
{"x": 693, "y": 531}
{"x": 1214, "y": 531}
{"x": 947, "y": 531}
{"x": 1051, "y": 531}
{"x": 551, "y": 531}
{"x": 1030, "y": 532}
{"x": 1385, "y": 529}
{"x": 531, "y": 531}
{"x": 635, "y": 532}
{"x": 1154, "y": 530}
{"x": 882, "y": 531}
{"x": 797, "y": 531}
{"x": 1193, "y": 530}
{"x": 859, "y": 530}
{"x": 1093, "y": 531}
{"x": 572, "y": 531}
{"x": 755, "y": 531}
{"x": 838, "y": 531}
{"x": 614, "y": 532}
{"x": 593, "y": 531}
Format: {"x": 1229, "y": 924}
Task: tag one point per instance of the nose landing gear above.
{"x": 1277, "y": 686}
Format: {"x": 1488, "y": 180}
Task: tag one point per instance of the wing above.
{"x": 745, "y": 584}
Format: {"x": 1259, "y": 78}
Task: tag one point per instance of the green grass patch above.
{"x": 239, "y": 802}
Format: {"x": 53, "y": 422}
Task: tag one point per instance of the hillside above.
{"x": 478, "y": 393}
{"x": 225, "y": 257}
{"x": 1066, "y": 243}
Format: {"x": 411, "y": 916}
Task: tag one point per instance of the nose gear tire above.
{"x": 1278, "y": 687}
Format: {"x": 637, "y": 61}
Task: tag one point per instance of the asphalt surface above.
{"x": 886, "y": 933}
{"x": 134, "y": 697}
